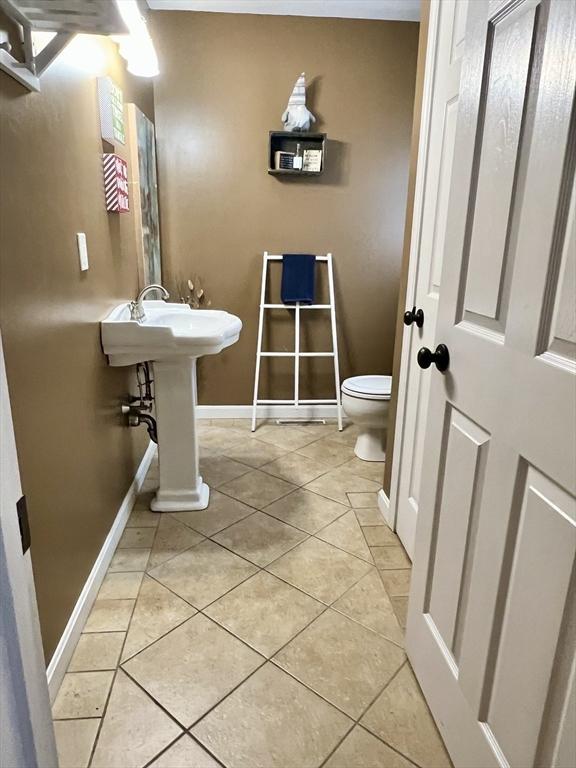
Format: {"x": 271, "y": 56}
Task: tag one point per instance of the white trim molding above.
{"x": 384, "y": 507}
{"x": 65, "y": 648}
{"x": 267, "y": 411}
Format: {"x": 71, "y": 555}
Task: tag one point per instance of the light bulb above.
{"x": 136, "y": 47}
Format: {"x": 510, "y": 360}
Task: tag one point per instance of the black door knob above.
{"x": 440, "y": 357}
{"x": 414, "y": 316}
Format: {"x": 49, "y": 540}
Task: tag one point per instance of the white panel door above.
{"x": 446, "y": 38}
{"x": 492, "y": 613}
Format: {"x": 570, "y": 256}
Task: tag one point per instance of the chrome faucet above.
{"x": 137, "y": 308}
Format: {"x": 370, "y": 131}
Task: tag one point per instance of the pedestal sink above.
{"x": 172, "y": 337}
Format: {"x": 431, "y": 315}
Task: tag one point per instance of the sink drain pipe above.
{"x": 138, "y": 409}
{"x": 137, "y": 417}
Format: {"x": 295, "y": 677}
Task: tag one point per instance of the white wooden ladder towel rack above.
{"x": 297, "y": 353}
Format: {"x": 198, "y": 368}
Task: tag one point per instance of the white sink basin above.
{"x": 169, "y": 330}
{"x": 172, "y": 337}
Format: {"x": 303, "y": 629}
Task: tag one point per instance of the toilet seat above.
{"x": 368, "y": 387}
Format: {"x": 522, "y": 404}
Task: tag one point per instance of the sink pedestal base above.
{"x": 181, "y": 485}
{"x": 181, "y": 501}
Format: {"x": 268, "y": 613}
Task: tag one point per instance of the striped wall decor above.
{"x": 115, "y": 183}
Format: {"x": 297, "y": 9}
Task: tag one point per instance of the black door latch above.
{"x": 414, "y": 316}
{"x": 22, "y": 510}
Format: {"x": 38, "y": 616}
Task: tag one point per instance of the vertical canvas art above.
{"x": 145, "y": 185}
{"x": 149, "y": 198}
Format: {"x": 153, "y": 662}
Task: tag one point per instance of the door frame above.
{"x": 391, "y": 505}
{"x": 24, "y": 701}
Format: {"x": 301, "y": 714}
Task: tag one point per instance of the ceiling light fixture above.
{"x": 137, "y": 46}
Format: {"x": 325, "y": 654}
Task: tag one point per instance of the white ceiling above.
{"x": 399, "y": 10}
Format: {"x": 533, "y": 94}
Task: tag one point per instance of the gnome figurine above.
{"x": 296, "y": 116}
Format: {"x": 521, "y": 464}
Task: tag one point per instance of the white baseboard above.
{"x": 384, "y": 507}
{"x": 65, "y": 648}
{"x": 267, "y": 411}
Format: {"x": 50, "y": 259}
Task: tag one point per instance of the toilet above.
{"x": 365, "y": 400}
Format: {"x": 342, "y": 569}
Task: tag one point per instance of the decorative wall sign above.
{"x": 111, "y": 111}
{"x": 312, "y": 160}
{"x": 115, "y": 183}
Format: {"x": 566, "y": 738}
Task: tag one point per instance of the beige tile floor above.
{"x": 263, "y": 632}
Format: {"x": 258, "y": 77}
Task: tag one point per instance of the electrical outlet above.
{"x": 82, "y": 251}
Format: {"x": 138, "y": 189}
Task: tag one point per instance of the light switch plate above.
{"x": 82, "y": 251}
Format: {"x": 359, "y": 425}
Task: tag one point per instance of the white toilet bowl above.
{"x": 365, "y": 400}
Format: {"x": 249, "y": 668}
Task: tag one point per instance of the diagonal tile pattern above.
{"x": 257, "y": 488}
{"x": 156, "y": 612}
{"x": 296, "y": 469}
{"x": 272, "y": 721}
{"x": 306, "y": 510}
{"x": 269, "y": 623}
{"x": 172, "y": 537}
{"x": 362, "y": 750}
{"x": 185, "y": 753}
{"x": 255, "y": 453}
{"x": 338, "y": 483}
{"x": 328, "y": 452}
{"x": 289, "y": 438}
{"x": 369, "y": 470}
{"x": 368, "y": 603}
{"x": 219, "y": 438}
{"x": 134, "y": 728}
{"x": 202, "y": 574}
{"x": 346, "y": 437}
{"x": 319, "y": 569}
{"x": 265, "y": 612}
{"x": 401, "y": 717}
{"x": 217, "y": 470}
{"x": 342, "y": 661}
{"x": 346, "y": 534}
{"x": 191, "y": 668}
{"x": 260, "y": 538}
{"x": 222, "y": 512}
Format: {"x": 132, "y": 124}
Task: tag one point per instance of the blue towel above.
{"x": 298, "y": 272}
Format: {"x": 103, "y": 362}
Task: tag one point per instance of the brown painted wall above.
{"x": 400, "y": 327}
{"x": 224, "y": 83}
{"x": 76, "y": 458}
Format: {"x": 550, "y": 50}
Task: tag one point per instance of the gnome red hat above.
{"x": 296, "y": 116}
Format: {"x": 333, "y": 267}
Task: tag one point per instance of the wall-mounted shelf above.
{"x": 287, "y": 141}
{"x": 65, "y": 18}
